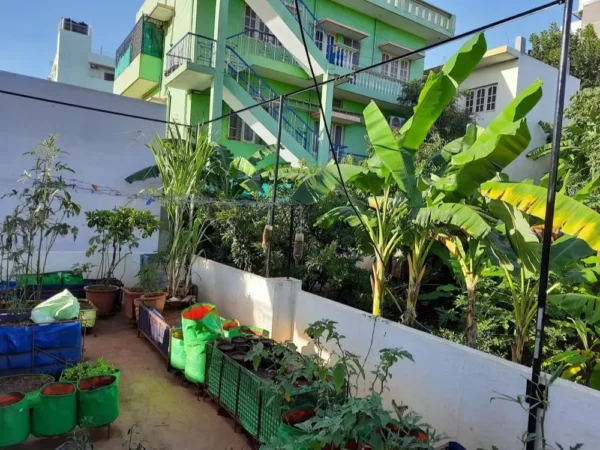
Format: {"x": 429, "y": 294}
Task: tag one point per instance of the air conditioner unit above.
{"x": 396, "y": 122}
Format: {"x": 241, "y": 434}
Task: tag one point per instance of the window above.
{"x": 482, "y": 98}
{"x": 352, "y": 51}
{"x": 108, "y": 76}
{"x": 399, "y": 69}
{"x": 256, "y": 28}
{"x": 241, "y": 131}
{"x": 337, "y": 103}
{"x": 491, "y": 98}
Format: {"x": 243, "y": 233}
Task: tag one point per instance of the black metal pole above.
{"x": 291, "y": 243}
{"x": 534, "y": 388}
{"x": 275, "y": 180}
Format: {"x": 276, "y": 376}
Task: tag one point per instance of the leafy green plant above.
{"x": 148, "y": 281}
{"x": 89, "y": 369}
{"x": 117, "y": 233}
{"x": 39, "y": 218}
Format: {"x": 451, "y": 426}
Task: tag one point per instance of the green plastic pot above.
{"x": 56, "y": 411}
{"x": 246, "y": 330}
{"x": 14, "y": 419}
{"x": 97, "y": 401}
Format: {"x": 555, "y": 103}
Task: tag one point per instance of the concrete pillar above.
{"x": 327, "y": 100}
{"x": 218, "y": 62}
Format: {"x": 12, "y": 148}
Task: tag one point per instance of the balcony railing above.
{"x": 260, "y": 90}
{"x": 190, "y": 48}
{"x": 422, "y": 12}
{"x": 260, "y": 43}
{"x": 147, "y": 37}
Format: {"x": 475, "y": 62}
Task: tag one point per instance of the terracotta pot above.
{"x": 155, "y": 300}
{"x": 129, "y": 295}
{"x": 103, "y": 297}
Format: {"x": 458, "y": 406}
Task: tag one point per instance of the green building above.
{"x": 204, "y": 58}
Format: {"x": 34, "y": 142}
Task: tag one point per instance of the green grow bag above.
{"x": 97, "y": 401}
{"x": 71, "y": 279}
{"x": 195, "y": 362}
{"x": 116, "y": 374}
{"x": 229, "y": 324}
{"x": 14, "y": 419}
{"x": 200, "y": 324}
{"x": 52, "y": 278}
{"x": 177, "y": 353}
{"x": 56, "y": 411}
{"x": 248, "y": 330}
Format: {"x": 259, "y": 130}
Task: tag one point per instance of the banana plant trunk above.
{"x": 517, "y": 347}
{"x": 414, "y": 287}
{"x": 378, "y": 285}
{"x": 471, "y": 330}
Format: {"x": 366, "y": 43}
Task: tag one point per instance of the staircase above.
{"x": 281, "y": 19}
{"x": 243, "y": 87}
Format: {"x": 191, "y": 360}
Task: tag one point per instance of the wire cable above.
{"x": 337, "y": 79}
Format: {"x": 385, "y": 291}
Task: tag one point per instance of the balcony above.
{"x": 162, "y": 10}
{"x": 189, "y": 63}
{"x": 139, "y": 59}
{"x": 415, "y": 16}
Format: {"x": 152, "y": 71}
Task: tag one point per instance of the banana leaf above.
{"x": 571, "y": 216}
{"x": 324, "y": 181}
{"x": 457, "y": 214}
{"x": 578, "y": 305}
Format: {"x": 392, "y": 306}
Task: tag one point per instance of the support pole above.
{"x": 535, "y": 391}
{"x": 291, "y": 243}
{"x": 275, "y": 180}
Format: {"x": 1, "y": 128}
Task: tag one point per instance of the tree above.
{"x": 584, "y": 52}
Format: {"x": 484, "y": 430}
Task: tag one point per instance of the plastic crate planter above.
{"x": 14, "y": 419}
{"x": 56, "y": 411}
{"x": 97, "y": 401}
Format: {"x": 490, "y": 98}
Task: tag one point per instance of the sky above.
{"x": 29, "y": 41}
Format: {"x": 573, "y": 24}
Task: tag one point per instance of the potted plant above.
{"x": 153, "y": 295}
{"x": 117, "y": 233}
{"x": 89, "y": 369}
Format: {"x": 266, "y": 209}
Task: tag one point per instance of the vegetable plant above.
{"x": 88, "y": 369}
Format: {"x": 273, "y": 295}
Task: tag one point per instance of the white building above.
{"x": 76, "y": 63}
{"x": 589, "y": 14}
{"x": 500, "y": 76}
{"x": 103, "y": 149}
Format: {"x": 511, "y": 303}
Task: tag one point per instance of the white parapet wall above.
{"x": 450, "y": 385}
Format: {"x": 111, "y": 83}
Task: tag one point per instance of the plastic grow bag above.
{"x": 248, "y": 330}
{"x": 229, "y": 324}
{"x": 56, "y": 411}
{"x": 14, "y": 419}
{"x": 47, "y": 348}
{"x": 97, "y": 401}
{"x": 177, "y": 353}
{"x": 195, "y": 362}
{"x": 62, "y": 306}
{"x": 200, "y": 323}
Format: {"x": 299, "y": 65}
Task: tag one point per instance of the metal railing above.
{"x": 423, "y": 12}
{"x": 191, "y": 48}
{"x": 260, "y": 43}
{"x": 146, "y": 37}
{"x": 260, "y": 90}
{"x": 310, "y": 23}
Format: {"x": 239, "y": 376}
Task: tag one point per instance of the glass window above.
{"x": 399, "y": 69}
{"x": 470, "y": 101}
{"x": 491, "y": 98}
{"x": 235, "y": 128}
{"x": 352, "y": 52}
{"x": 480, "y": 102}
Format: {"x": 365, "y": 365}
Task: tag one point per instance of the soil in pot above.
{"x": 24, "y": 383}
{"x": 102, "y": 296}
{"x": 268, "y": 343}
{"x": 11, "y": 398}
{"x": 240, "y": 358}
{"x": 265, "y": 374}
{"x": 297, "y": 416}
{"x": 242, "y": 348}
{"x": 226, "y": 346}
{"x": 155, "y": 300}
{"x": 239, "y": 340}
{"x": 93, "y": 383}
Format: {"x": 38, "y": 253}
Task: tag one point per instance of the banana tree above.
{"x": 388, "y": 185}
{"x": 512, "y": 203}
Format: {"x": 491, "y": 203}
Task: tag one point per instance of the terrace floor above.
{"x": 165, "y": 408}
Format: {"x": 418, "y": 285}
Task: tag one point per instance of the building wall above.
{"x": 72, "y": 62}
{"x": 512, "y": 78}
{"x": 591, "y": 15}
{"x": 103, "y": 150}
{"x": 450, "y": 385}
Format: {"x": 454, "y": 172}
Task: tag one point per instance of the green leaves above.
{"x": 325, "y": 181}
{"x": 571, "y": 216}
{"x": 439, "y": 91}
{"x": 395, "y": 161}
{"x": 578, "y": 305}
{"x": 506, "y": 137}
{"x": 457, "y": 214}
